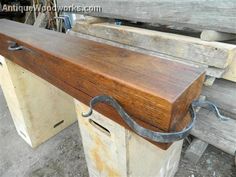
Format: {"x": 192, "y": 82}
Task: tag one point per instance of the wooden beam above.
{"x": 210, "y": 71}
{"x": 184, "y": 48}
{"x": 149, "y": 88}
{"x": 221, "y": 134}
{"x": 223, "y": 94}
{"x": 195, "y": 150}
{"x": 217, "y": 15}
{"x": 210, "y": 35}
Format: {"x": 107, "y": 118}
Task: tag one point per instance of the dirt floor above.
{"x": 62, "y": 156}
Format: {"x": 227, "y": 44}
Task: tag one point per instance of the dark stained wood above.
{"x": 154, "y": 91}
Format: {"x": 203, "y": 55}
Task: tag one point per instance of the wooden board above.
{"x": 150, "y": 89}
{"x": 39, "y": 110}
{"x": 183, "y": 47}
{"x": 230, "y": 73}
{"x": 195, "y": 150}
{"x": 223, "y": 94}
{"x": 210, "y": 71}
{"x": 217, "y": 15}
{"x": 210, "y": 35}
{"x": 113, "y": 151}
{"x": 221, "y": 134}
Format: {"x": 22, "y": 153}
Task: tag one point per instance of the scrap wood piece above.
{"x": 230, "y": 73}
{"x": 221, "y": 134}
{"x": 195, "y": 14}
{"x": 195, "y": 150}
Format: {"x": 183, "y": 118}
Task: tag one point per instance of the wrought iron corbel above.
{"x": 147, "y": 133}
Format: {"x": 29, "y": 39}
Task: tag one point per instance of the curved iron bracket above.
{"x": 144, "y": 132}
{"x": 212, "y": 107}
{"x": 13, "y": 46}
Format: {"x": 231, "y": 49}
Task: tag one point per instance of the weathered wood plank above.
{"x": 230, "y": 73}
{"x": 221, "y": 134}
{"x": 186, "y": 48}
{"x": 85, "y": 69}
{"x": 209, "y": 80}
{"x": 195, "y": 150}
{"x": 210, "y": 35}
{"x": 210, "y": 71}
{"x": 223, "y": 94}
{"x": 217, "y": 15}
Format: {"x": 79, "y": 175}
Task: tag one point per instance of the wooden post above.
{"x": 39, "y": 110}
{"x": 112, "y": 150}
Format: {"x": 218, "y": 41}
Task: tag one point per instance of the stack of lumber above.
{"x": 218, "y": 59}
{"x": 217, "y": 15}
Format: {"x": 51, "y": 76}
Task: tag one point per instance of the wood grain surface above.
{"x": 154, "y": 91}
{"x": 217, "y": 15}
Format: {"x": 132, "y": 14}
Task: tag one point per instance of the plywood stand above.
{"x": 111, "y": 150}
{"x": 39, "y": 109}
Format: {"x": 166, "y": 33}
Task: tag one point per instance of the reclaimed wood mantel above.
{"x": 155, "y": 92}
